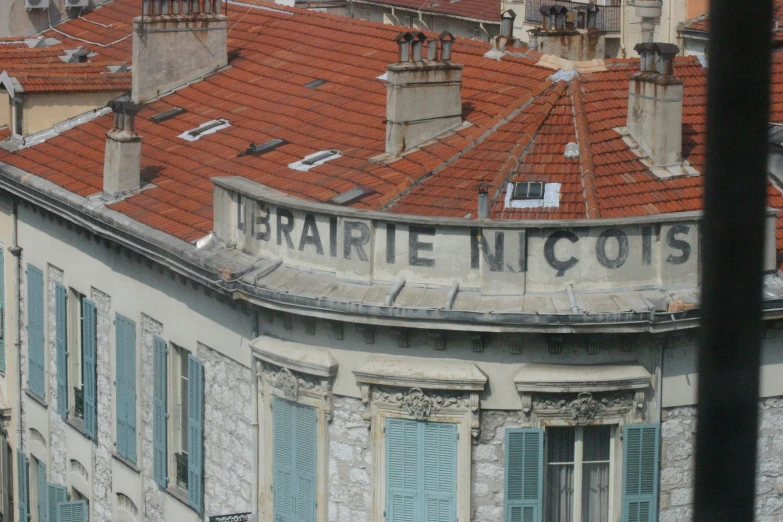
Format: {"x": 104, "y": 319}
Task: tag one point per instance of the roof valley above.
{"x": 585, "y": 154}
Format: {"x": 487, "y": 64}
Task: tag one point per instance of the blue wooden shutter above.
{"x": 89, "y": 328}
{"x": 403, "y": 450}
{"x": 159, "y": 415}
{"x": 640, "y": 473}
{"x": 440, "y": 471}
{"x": 61, "y": 345}
{"x": 195, "y": 432}
{"x": 2, "y": 310}
{"x": 35, "y": 332}
{"x": 306, "y": 437}
{"x": 284, "y": 415}
{"x": 524, "y": 475}
{"x": 74, "y": 511}
{"x": 43, "y": 494}
{"x": 56, "y": 494}
{"x": 21, "y": 467}
{"x": 126, "y": 387}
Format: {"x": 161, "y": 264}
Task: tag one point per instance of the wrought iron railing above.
{"x": 608, "y": 20}
{"x": 182, "y": 469}
{"x": 237, "y": 517}
{"x": 78, "y": 402}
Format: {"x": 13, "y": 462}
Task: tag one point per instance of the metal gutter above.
{"x": 429, "y": 12}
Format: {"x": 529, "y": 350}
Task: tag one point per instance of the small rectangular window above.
{"x": 528, "y": 190}
{"x": 180, "y": 413}
{"x": 240, "y": 212}
{"x": 76, "y": 353}
{"x": 18, "y": 115}
{"x": 476, "y": 33}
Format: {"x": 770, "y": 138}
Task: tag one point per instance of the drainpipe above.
{"x": 256, "y": 505}
{"x": 16, "y": 251}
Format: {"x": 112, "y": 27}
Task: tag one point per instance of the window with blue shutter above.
{"x": 195, "y": 433}
{"x": 35, "y": 332}
{"x": 74, "y": 511}
{"x": 126, "y": 388}
{"x": 640, "y": 472}
{"x": 159, "y": 413}
{"x": 24, "y": 486}
{"x": 89, "y": 343}
{"x": 2, "y": 309}
{"x": 295, "y": 447}
{"x": 42, "y": 491}
{"x": 56, "y": 494}
{"x": 524, "y": 475}
{"x": 421, "y": 471}
{"x": 61, "y": 346}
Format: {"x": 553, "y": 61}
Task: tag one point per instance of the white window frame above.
{"x": 614, "y": 450}
{"x": 476, "y": 33}
{"x": 17, "y": 106}
{"x": 176, "y": 353}
{"x": 302, "y": 374}
{"x": 384, "y": 379}
{"x": 75, "y": 352}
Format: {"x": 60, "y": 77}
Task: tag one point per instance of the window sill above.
{"x": 181, "y": 495}
{"x": 128, "y": 463}
{"x": 36, "y": 398}
{"x": 78, "y": 425}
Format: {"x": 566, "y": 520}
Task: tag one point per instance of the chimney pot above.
{"x": 418, "y": 44}
{"x": 647, "y": 56}
{"x": 404, "y": 43}
{"x": 432, "y": 49}
{"x": 665, "y": 53}
{"x": 446, "y": 39}
{"x": 507, "y": 23}
{"x": 483, "y": 201}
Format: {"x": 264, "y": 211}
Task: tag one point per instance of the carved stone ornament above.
{"x": 288, "y": 384}
{"x": 417, "y": 404}
{"x": 585, "y": 408}
{"x": 293, "y": 385}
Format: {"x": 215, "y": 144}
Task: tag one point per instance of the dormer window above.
{"x": 528, "y": 190}
{"x": 240, "y": 212}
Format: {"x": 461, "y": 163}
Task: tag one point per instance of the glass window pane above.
{"x": 559, "y": 494}
{"x": 595, "y": 474}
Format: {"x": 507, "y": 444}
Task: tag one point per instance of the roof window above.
{"x": 257, "y": 150}
{"x": 315, "y": 83}
{"x": 315, "y": 159}
{"x": 167, "y": 115}
{"x": 351, "y": 196}
{"x": 209, "y": 127}
{"x": 528, "y": 190}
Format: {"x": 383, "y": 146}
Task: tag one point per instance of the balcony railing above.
{"x": 181, "y": 460}
{"x": 608, "y": 21}
{"x": 78, "y": 406}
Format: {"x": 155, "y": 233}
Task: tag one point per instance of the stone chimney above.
{"x": 174, "y": 42}
{"x": 655, "y": 104}
{"x": 648, "y": 11}
{"x": 423, "y": 96}
{"x": 569, "y": 35}
{"x": 122, "y": 161}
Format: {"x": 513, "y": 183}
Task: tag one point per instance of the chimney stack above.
{"x": 648, "y": 11}
{"x": 483, "y": 201}
{"x": 506, "y": 36}
{"x": 175, "y": 42}
{"x": 122, "y": 160}
{"x": 423, "y": 97}
{"x": 655, "y": 104}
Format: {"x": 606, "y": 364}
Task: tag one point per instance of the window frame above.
{"x": 75, "y": 352}
{"x": 177, "y": 356}
{"x": 17, "y": 116}
{"x": 615, "y": 489}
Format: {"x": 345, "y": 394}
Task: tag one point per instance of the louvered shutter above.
{"x": 195, "y": 432}
{"x": 61, "y": 346}
{"x": 89, "y": 328}
{"x": 440, "y": 471}
{"x": 2, "y": 310}
{"x": 640, "y": 472}
{"x": 35, "y": 332}
{"x": 42, "y": 493}
{"x": 74, "y": 511}
{"x": 524, "y": 474}
{"x": 306, "y": 437}
{"x": 126, "y": 387}
{"x": 284, "y": 417}
{"x": 21, "y": 471}
{"x": 159, "y": 420}
{"x": 56, "y": 495}
{"x": 403, "y": 449}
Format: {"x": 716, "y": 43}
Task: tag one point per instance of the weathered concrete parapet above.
{"x": 171, "y": 50}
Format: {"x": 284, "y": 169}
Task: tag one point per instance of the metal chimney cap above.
{"x": 666, "y": 49}
{"x": 446, "y": 36}
{"x": 508, "y": 13}
{"x": 403, "y": 38}
{"x": 419, "y": 36}
{"x": 644, "y": 47}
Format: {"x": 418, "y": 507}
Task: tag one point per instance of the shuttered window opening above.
{"x": 74, "y": 511}
{"x": 35, "y": 332}
{"x": 24, "y": 486}
{"x": 195, "y": 402}
{"x": 56, "y": 494}
{"x": 125, "y": 383}
{"x": 421, "y": 471}
{"x": 641, "y": 452}
{"x": 2, "y": 310}
{"x": 41, "y": 492}
{"x": 61, "y": 347}
{"x": 295, "y": 442}
{"x": 524, "y": 475}
{"x": 89, "y": 346}
{"x": 159, "y": 412}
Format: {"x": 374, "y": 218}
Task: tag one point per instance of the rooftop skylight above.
{"x": 167, "y": 115}
{"x": 315, "y": 83}
{"x": 257, "y": 150}
{"x": 532, "y": 194}
{"x": 315, "y": 159}
{"x": 209, "y": 127}
{"x": 351, "y": 196}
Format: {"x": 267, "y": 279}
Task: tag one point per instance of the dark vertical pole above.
{"x": 733, "y": 233}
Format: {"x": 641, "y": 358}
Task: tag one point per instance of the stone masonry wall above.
{"x": 228, "y": 435}
{"x": 57, "y": 453}
{"x": 350, "y": 463}
{"x": 154, "y": 497}
{"x": 102, "y": 451}
{"x": 677, "y": 463}
{"x": 23, "y": 346}
{"x": 489, "y": 464}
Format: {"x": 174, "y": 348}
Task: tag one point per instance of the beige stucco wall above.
{"x": 5, "y": 109}
{"x": 42, "y": 110}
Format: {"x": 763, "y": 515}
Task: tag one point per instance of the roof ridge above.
{"x": 585, "y": 154}
{"x": 393, "y": 198}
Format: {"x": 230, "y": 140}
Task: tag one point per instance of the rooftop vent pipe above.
{"x": 483, "y": 202}
{"x": 122, "y": 160}
{"x": 648, "y": 11}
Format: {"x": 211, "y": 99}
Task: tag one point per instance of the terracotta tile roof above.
{"x": 10, "y": 55}
{"x": 481, "y": 10}
{"x": 65, "y": 80}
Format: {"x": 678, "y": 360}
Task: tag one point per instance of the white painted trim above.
{"x": 551, "y": 198}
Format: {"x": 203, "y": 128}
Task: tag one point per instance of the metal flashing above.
{"x": 550, "y": 199}
{"x": 315, "y": 159}
{"x": 351, "y": 196}
{"x": 315, "y": 83}
{"x": 204, "y": 129}
{"x": 257, "y": 150}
